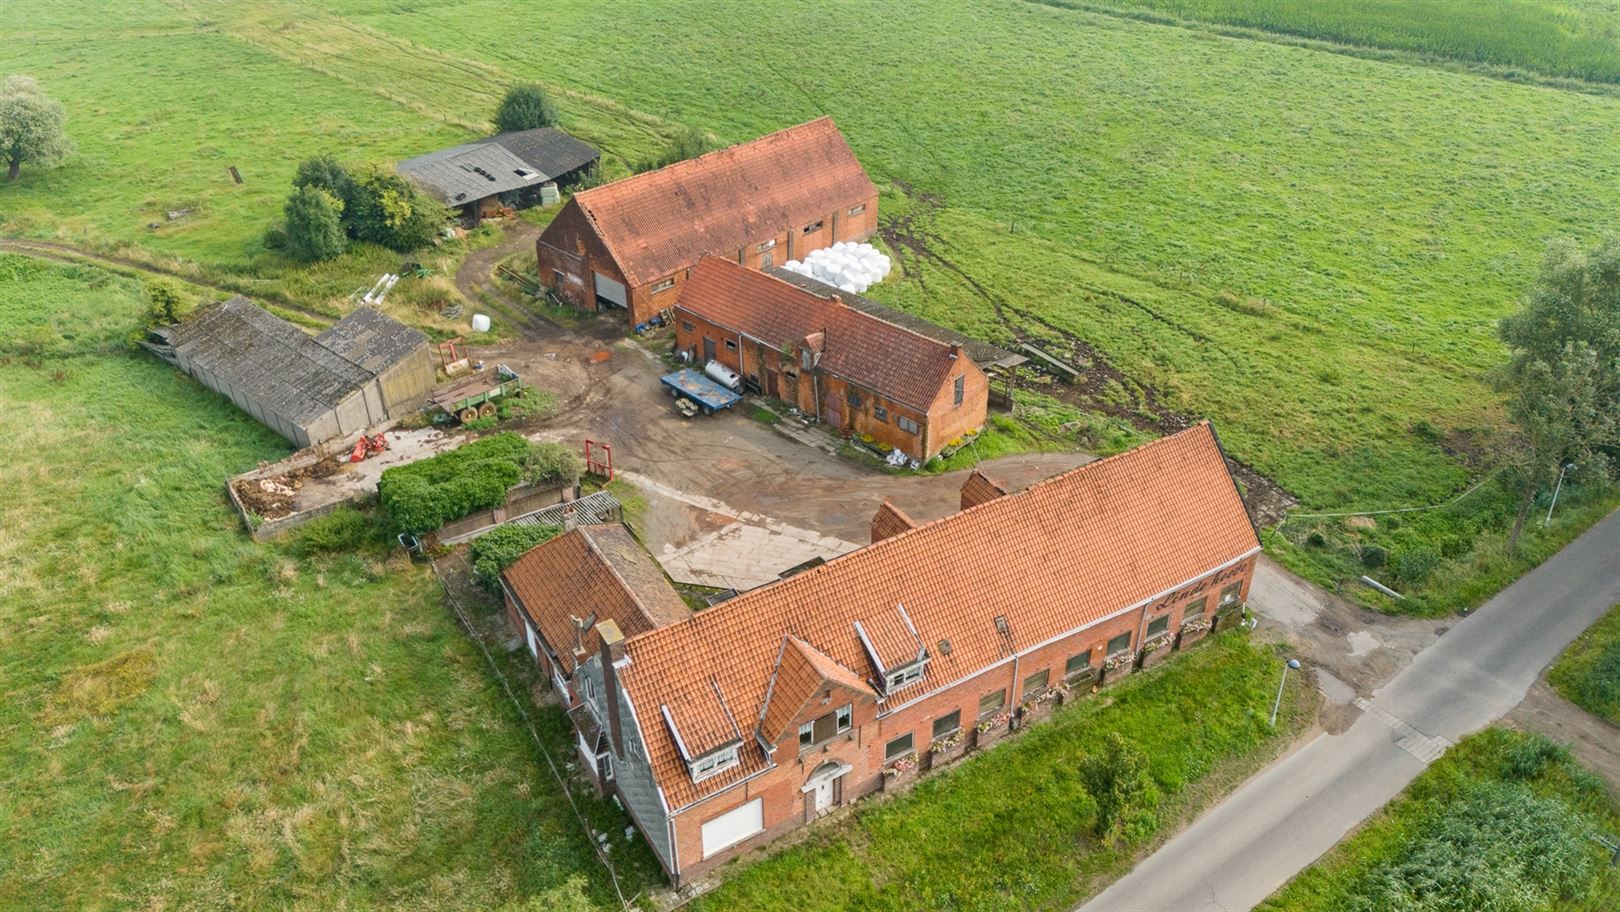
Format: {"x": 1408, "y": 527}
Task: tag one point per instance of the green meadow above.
{"x": 192, "y": 720}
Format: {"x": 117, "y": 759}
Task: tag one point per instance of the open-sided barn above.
{"x": 516, "y": 169}
{"x": 365, "y": 370}
{"x": 631, "y": 244}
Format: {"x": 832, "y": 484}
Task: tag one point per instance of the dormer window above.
{"x": 900, "y": 677}
{"x": 827, "y": 726}
{"x": 713, "y": 764}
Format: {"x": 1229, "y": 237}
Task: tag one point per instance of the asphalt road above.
{"x": 1299, "y": 807}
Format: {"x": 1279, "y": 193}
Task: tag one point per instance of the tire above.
{"x": 486, "y": 410}
{"x": 468, "y": 414}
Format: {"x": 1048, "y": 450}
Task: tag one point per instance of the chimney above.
{"x": 570, "y": 518}
{"x": 955, "y": 350}
{"x": 612, "y": 651}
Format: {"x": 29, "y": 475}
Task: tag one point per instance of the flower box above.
{"x": 992, "y": 729}
{"x": 943, "y": 750}
{"x": 1116, "y": 667}
{"x": 901, "y": 772}
{"x": 1193, "y": 631}
{"x": 1037, "y": 709}
{"x": 1156, "y": 650}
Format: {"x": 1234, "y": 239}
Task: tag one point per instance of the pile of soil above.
{"x": 273, "y": 497}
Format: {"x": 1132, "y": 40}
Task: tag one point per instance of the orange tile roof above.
{"x": 801, "y": 669}
{"x": 980, "y": 488}
{"x": 596, "y": 571}
{"x": 662, "y": 221}
{"x": 890, "y": 521}
{"x": 1060, "y": 555}
{"x": 880, "y": 356}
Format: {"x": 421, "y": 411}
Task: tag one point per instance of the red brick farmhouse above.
{"x": 855, "y": 372}
{"x": 630, "y": 244}
{"x": 723, "y": 729}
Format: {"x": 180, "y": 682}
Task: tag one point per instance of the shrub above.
{"x": 1414, "y": 564}
{"x": 499, "y": 548}
{"x": 165, "y": 304}
{"x": 389, "y": 210}
{"x": 1499, "y": 847}
{"x": 1373, "y": 557}
{"x": 344, "y": 529}
{"x": 1119, "y": 781}
{"x": 525, "y": 107}
{"x": 326, "y": 173}
{"x": 314, "y": 226}
{"x": 424, "y": 495}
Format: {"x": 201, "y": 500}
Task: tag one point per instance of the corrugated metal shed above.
{"x": 510, "y": 161}
{"x": 371, "y": 340}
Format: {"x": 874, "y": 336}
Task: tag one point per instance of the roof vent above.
{"x": 945, "y": 647}
{"x": 1001, "y": 625}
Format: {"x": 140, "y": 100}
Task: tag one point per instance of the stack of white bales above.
{"x": 849, "y": 266}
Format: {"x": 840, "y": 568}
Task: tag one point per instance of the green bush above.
{"x": 424, "y": 495}
{"x": 525, "y": 107}
{"x": 344, "y": 529}
{"x": 389, "y": 210}
{"x": 314, "y": 226}
{"x": 497, "y": 549}
{"x": 1127, "y": 799}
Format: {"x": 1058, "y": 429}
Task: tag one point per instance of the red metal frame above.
{"x": 599, "y": 458}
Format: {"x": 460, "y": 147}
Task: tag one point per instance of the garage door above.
{"x": 733, "y": 827}
{"x": 609, "y": 292}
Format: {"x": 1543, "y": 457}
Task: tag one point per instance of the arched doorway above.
{"x": 824, "y": 790}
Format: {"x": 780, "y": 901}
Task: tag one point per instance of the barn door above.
{"x": 708, "y": 350}
{"x": 610, "y": 292}
{"x": 832, "y": 409}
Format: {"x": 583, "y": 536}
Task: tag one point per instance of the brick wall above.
{"x": 863, "y": 747}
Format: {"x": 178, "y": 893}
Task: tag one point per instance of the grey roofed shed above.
{"x": 464, "y": 174}
{"x": 307, "y": 388}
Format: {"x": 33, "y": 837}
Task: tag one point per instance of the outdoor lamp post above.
{"x": 1556, "y": 489}
{"x": 1291, "y": 663}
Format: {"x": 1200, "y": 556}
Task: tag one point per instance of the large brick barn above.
{"x": 725, "y": 728}
{"x": 855, "y": 372}
{"x": 630, "y": 244}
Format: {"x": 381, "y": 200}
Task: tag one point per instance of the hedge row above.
{"x": 500, "y": 547}
{"x": 424, "y": 495}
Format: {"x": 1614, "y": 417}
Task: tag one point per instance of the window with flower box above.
{"x": 1119, "y": 643}
{"x": 1194, "y": 610}
{"x": 1158, "y": 625}
{"x": 991, "y": 703}
{"x": 1035, "y": 684}
{"x": 944, "y": 725}
{"x": 1077, "y": 665}
{"x": 897, "y": 748}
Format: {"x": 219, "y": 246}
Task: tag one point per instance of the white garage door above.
{"x": 609, "y": 291}
{"x": 733, "y": 827}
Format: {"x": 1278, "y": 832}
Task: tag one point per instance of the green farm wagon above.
{"x": 474, "y": 397}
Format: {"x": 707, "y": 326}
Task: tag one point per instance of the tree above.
{"x": 389, "y": 210}
{"x": 327, "y": 173}
{"x": 1119, "y": 781}
{"x": 689, "y": 143}
{"x": 314, "y": 224}
{"x": 1563, "y": 373}
{"x": 30, "y": 126}
{"x": 165, "y": 305}
{"x": 525, "y": 107}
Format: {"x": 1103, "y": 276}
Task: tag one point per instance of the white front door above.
{"x": 823, "y": 794}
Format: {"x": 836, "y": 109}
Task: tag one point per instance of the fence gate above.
{"x": 599, "y": 459}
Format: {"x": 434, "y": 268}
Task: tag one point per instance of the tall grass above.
{"x": 1588, "y": 673}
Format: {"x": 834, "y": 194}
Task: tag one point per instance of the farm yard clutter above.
{"x": 852, "y": 267}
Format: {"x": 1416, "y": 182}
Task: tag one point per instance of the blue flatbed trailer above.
{"x": 708, "y": 395}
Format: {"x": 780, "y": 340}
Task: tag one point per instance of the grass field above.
{"x": 1310, "y": 248}
{"x": 1575, "y": 39}
{"x": 1588, "y": 673}
{"x": 1010, "y": 828}
{"x": 191, "y": 720}
{"x": 1497, "y": 768}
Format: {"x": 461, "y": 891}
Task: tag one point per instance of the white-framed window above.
{"x": 767, "y": 245}
{"x": 857, "y": 210}
{"x": 901, "y": 677}
{"x": 827, "y": 726}
{"x": 906, "y": 424}
{"x": 713, "y": 764}
{"x": 663, "y": 285}
{"x": 961, "y": 389}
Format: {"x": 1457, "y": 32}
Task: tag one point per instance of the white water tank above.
{"x": 723, "y": 375}
{"x": 480, "y": 323}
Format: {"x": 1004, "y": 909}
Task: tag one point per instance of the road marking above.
{"x": 1427, "y": 748}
